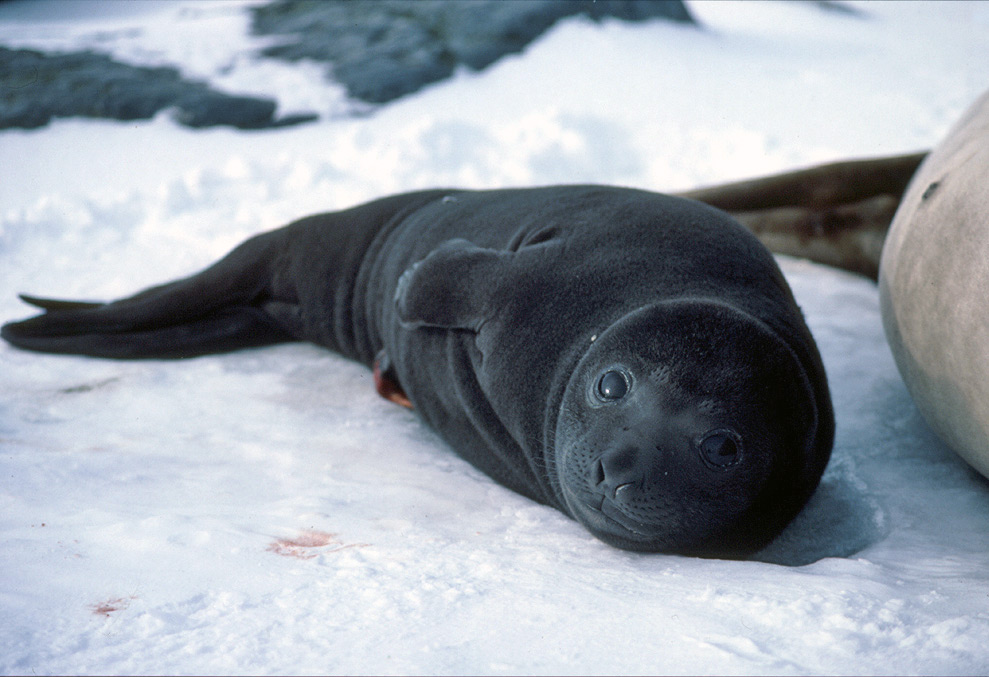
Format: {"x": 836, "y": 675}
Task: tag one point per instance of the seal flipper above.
{"x": 452, "y": 287}
{"x": 221, "y": 331}
{"x": 223, "y": 308}
{"x": 57, "y": 304}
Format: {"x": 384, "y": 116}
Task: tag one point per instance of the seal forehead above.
{"x": 694, "y": 344}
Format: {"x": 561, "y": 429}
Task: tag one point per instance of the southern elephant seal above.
{"x": 934, "y": 287}
{"x": 633, "y": 359}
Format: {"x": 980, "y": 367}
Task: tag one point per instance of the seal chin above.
{"x": 673, "y": 531}
{"x": 609, "y": 523}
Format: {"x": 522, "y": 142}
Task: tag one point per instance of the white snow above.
{"x": 266, "y": 512}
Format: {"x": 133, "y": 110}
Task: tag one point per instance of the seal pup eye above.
{"x": 720, "y": 449}
{"x": 613, "y": 385}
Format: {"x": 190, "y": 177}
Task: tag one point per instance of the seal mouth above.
{"x": 613, "y": 515}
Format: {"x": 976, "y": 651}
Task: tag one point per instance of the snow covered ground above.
{"x": 266, "y": 512}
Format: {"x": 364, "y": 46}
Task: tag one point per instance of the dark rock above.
{"x": 36, "y": 87}
{"x": 206, "y": 109}
{"x": 381, "y": 50}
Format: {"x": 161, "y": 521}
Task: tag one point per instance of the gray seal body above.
{"x": 633, "y": 359}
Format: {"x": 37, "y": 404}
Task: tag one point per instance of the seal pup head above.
{"x": 687, "y": 427}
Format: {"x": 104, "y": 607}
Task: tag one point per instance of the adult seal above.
{"x": 634, "y": 360}
{"x": 933, "y": 284}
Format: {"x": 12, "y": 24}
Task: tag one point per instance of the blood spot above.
{"x": 111, "y": 605}
{"x": 304, "y": 545}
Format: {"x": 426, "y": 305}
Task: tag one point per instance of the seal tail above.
{"x": 225, "y": 307}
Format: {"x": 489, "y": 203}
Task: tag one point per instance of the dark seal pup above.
{"x": 635, "y": 360}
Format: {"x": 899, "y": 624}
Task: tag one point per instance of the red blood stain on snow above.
{"x": 109, "y": 606}
{"x": 304, "y": 545}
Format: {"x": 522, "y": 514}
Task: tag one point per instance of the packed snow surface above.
{"x": 266, "y": 512}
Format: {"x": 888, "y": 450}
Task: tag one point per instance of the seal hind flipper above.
{"x": 223, "y": 308}
{"x": 56, "y": 304}
{"x": 221, "y": 331}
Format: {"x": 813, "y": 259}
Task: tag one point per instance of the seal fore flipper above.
{"x": 223, "y": 308}
{"x": 452, "y": 287}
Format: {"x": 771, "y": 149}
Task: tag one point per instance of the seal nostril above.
{"x": 598, "y": 473}
{"x": 623, "y": 491}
